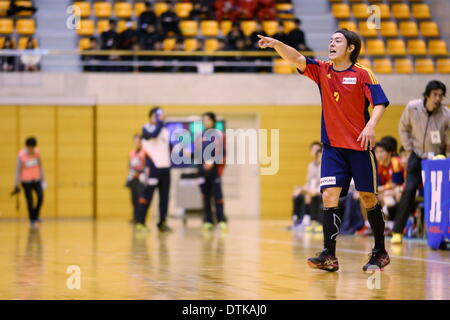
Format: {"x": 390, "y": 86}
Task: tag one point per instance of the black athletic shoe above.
{"x": 163, "y": 227}
{"x": 377, "y": 261}
{"x": 324, "y": 261}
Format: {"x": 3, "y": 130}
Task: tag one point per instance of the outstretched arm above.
{"x": 286, "y": 52}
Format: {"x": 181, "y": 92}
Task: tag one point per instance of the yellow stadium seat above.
{"x": 360, "y": 11}
{"x": 160, "y": 8}
{"x": 375, "y": 47}
{"x": 102, "y": 9}
{"x": 403, "y": 65}
{"x": 6, "y": 26}
{"x": 190, "y": 44}
{"x": 4, "y": 6}
{"x": 401, "y": 11}
{"x": 443, "y": 65}
{"x": 270, "y": 27}
{"x": 102, "y": 26}
{"x": 26, "y": 26}
{"x": 340, "y": 10}
{"x": 417, "y": 47}
{"x": 210, "y": 28}
{"x": 24, "y": 4}
{"x": 388, "y": 29}
{"x": 363, "y": 48}
{"x": 365, "y": 62}
{"x": 284, "y": 7}
{"x": 248, "y": 27}
{"x": 385, "y": 12}
{"x": 2, "y": 41}
{"x": 84, "y": 7}
{"x": 396, "y": 47}
{"x": 189, "y": 28}
{"x": 408, "y": 29}
{"x": 169, "y": 44}
{"x": 282, "y": 67}
{"x": 288, "y": 26}
{"x": 183, "y": 9}
{"x": 211, "y": 45}
{"x": 139, "y": 7}
{"x": 429, "y": 29}
{"x": 365, "y": 31}
{"x": 421, "y": 11}
{"x": 225, "y": 27}
{"x": 123, "y": 10}
{"x": 284, "y": 10}
{"x": 349, "y": 25}
{"x": 122, "y": 25}
{"x": 383, "y": 65}
{"x": 23, "y": 43}
{"x": 424, "y": 65}
{"x": 84, "y": 43}
{"x": 86, "y": 27}
{"x": 437, "y": 47}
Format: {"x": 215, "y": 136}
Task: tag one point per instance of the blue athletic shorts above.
{"x": 340, "y": 165}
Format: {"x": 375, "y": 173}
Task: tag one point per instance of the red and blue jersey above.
{"x": 346, "y": 96}
{"x": 392, "y": 174}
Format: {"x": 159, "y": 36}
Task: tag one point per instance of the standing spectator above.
{"x": 92, "y": 61}
{"x": 30, "y": 173}
{"x": 211, "y": 170}
{"x": 8, "y": 63}
{"x": 157, "y": 169}
{"x": 422, "y": 129}
{"x": 136, "y": 164}
{"x": 30, "y": 60}
{"x": 170, "y": 21}
{"x": 147, "y": 17}
{"x": 296, "y": 38}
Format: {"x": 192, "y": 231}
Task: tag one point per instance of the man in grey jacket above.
{"x": 423, "y": 127}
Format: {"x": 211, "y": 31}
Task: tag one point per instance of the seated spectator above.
{"x": 280, "y": 35}
{"x": 170, "y": 21}
{"x": 109, "y": 37}
{"x": 267, "y": 10}
{"x": 234, "y": 34}
{"x": 30, "y": 60}
{"x": 8, "y": 63}
{"x": 92, "y": 61}
{"x": 147, "y": 17}
{"x": 149, "y": 37}
{"x": 127, "y": 40}
{"x": 296, "y": 38}
{"x": 307, "y": 199}
{"x": 225, "y": 9}
{"x": 202, "y": 10}
{"x": 14, "y": 9}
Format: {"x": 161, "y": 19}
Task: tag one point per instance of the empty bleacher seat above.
{"x": 211, "y": 45}
{"x": 403, "y": 65}
{"x": 443, "y": 65}
{"x": 385, "y": 12}
{"x": 340, "y": 10}
{"x": 102, "y": 26}
{"x": 365, "y": 62}
{"x": 183, "y": 9}
{"x": 388, "y": 29}
{"x": 83, "y": 43}
{"x": 375, "y": 47}
{"x": 210, "y": 28}
{"x": 417, "y": 47}
{"x": 225, "y": 26}
{"x": 360, "y": 11}
{"x": 24, "y": 4}
{"x": 365, "y": 31}
{"x": 160, "y": 8}
{"x": 349, "y": 25}
{"x": 408, "y": 29}
{"x": 437, "y": 47}
{"x": 284, "y": 10}
{"x": 396, "y": 47}
{"x": 23, "y": 41}
{"x": 248, "y": 27}
{"x": 401, "y": 11}
{"x": 288, "y": 26}
{"x": 84, "y": 8}
{"x": 270, "y": 27}
{"x": 421, "y": 11}
{"x": 139, "y": 7}
{"x": 102, "y": 9}
{"x": 190, "y": 44}
{"x": 86, "y": 27}
{"x": 383, "y": 65}
{"x": 123, "y": 10}
{"x": 169, "y": 44}
{"x": 4, "y": 6}
{"x": 26, "y": 26}
{"x": 424, "y": 65}
{"x": 6, "y": 26}
{"x": 189, "y": 28}
{"x": 429, "y": 29}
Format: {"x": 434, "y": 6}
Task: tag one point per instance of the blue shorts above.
{"x": 340, "y": 165}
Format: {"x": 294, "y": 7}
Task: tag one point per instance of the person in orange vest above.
{"x": 136, "y": 165}
{"x": 30, "y": 174}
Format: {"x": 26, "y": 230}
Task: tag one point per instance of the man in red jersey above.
{"x": 348, "y": 132}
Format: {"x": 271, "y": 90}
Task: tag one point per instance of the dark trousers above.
{"x": 353, "y": 219}
{"x": 136, "y": 188}
{"x": 211, "y": 189}
{"x": 162, "y": 176}
{"x": 407, "y": 201}
{"x": 313, "y": 208}
{"x": 33, "y": 210}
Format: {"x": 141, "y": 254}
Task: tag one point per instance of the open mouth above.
{"x": 332, "y": 51}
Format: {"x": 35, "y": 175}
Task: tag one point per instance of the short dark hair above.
{"x": 382, "y": 144}
{"x": 352, "y": 39}
{"x": 297, "y": 21}
{"x": 210, "y": 115}
{"x": 153, "y": 111}
{"x": 31, "y": 142}
{"x": 434, "y": 85}
{"x": 391, "y": 143}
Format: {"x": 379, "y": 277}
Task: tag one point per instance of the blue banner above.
{"x": 436, "y": 175}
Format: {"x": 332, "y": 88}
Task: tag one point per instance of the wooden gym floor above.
{"x": 253, "y": 260}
